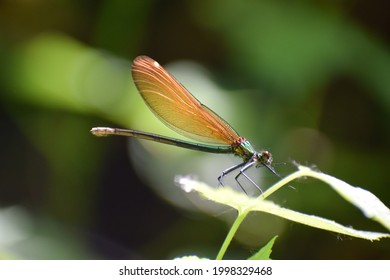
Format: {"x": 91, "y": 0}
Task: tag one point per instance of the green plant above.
{"x": 368, "y": 203}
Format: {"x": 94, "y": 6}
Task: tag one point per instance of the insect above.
{"x": 177, "y": 108}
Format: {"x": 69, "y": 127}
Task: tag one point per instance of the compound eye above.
{"x": 266, "y": 157}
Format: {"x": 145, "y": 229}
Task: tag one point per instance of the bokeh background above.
{"x": 307, "y": 80}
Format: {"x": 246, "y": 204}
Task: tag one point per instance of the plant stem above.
{"x": 299, "y": 173}
{"x": 242, "y": 213}
{"x": 240, "y": 217}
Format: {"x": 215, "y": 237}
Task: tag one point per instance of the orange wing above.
{"x": 176, "y": 107}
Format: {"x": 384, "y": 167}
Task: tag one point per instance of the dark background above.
{"x": 308, "y": 80}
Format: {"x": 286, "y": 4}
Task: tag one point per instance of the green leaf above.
{"x": 368, "y": 203}
{"x": 265, "y": 252}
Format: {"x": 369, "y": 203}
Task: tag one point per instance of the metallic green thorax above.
{"x": 243, "y": 149}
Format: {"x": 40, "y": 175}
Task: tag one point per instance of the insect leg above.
{"x": 242, "y": 172}
{"x": 227, "y": 171}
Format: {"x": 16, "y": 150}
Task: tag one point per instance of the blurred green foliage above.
{"x": 308, "y": 80}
